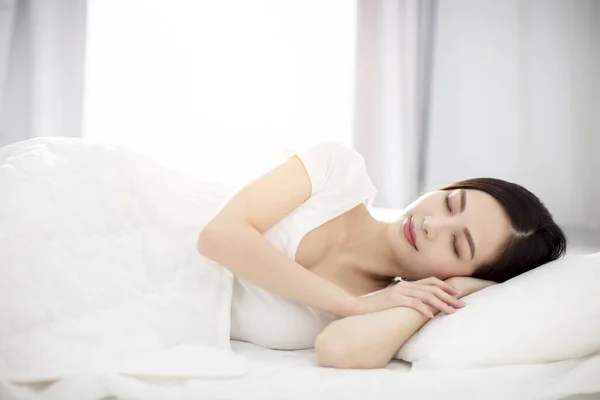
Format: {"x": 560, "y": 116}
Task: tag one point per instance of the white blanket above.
{"x": 294, "y": 375}
{"x": 98, "y": 266}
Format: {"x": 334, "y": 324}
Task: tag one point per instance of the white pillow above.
{"x": 548, "y": 314}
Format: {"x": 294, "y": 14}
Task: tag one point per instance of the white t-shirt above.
{"x": 339, "y": 183}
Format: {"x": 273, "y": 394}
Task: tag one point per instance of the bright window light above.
{"x": 223, "y": 88}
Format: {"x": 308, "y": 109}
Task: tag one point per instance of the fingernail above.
{"x": 462, "y": 302}
{"x": 430, "y": 315}
{"x": 452, "y": 309}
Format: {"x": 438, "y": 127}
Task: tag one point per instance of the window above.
{"x": 223, "y": 88}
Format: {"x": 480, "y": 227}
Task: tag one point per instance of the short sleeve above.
{"x": 337, "y": 170}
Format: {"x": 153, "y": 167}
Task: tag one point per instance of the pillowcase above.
{"x": 548, "y": 314}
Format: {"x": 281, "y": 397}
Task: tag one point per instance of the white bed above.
{"x": 295, "y": 375}
{"x": 130, "y": 228}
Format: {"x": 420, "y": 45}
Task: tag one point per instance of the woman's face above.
{"x": 450, "y": 233}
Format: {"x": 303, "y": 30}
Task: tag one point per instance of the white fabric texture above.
{"x": 548, "y": 314}
{"x": 99, "y": 271}
{"x": 295, "y": 375}
{"x": 339, "y": 182}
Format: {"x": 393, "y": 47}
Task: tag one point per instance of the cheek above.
{"x": 439, "y": 266}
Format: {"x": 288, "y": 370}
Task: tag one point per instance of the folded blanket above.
{"x": 99, "y": 270}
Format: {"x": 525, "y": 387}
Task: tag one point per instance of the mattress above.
{"x": 277, "y": 374}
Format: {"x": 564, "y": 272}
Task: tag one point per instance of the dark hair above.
{"x": 535, "y": 239}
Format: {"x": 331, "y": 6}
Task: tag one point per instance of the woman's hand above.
{"x": 420, "y": 295}
{"x": 468, "y": 285}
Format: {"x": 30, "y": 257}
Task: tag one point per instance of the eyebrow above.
{"x": 471, "y": 243}
{"x": 463, "y": 204}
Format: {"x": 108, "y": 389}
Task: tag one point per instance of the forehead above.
{"x": 486, "y": 220}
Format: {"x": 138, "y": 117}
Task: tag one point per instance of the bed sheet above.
{"x": 295, "y": 375}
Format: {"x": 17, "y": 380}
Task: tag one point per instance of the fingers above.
{"x": 445, "y": 297}
{"x": 417, "y": 305}
{"x": 445, "y": 286}
{"x": 433, "y": 295}
{"x": 429, "y": 298}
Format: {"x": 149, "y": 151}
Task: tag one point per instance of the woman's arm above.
{"x": 371, "y": 340}
{"x": 234, "y": 239}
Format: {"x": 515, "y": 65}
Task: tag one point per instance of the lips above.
{"x": 409, "y": 232}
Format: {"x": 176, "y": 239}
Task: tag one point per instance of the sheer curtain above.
{"x": 513, "y": 93}
{"x": 42, "y": 52}
{"x": 516, "y": 95}
{"x": 394, "y": 61}
{"x": 7, "y": 13}
{"x": 221, "y": 88}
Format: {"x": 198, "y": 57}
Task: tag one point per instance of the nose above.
{"x": 433, "y": 226}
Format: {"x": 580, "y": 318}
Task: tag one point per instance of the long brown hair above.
{"x": 535, "y": 238}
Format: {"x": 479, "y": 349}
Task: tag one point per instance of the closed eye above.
{"x": 454, "y": 246}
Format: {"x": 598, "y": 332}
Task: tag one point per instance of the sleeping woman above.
{"x": 314, "y": 268}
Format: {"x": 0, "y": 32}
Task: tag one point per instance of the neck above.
{"x": 367, "y": 248}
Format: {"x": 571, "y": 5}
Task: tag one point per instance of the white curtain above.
{"x": 7, "y": 14}
{"x": 393, "y": 59}
{"x": 42, "y": 52}
{"x": 513, "y": 93}
{"x": 516, "y": 95}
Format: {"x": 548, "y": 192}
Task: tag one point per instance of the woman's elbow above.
{"x": 330, "y": 352}
{"x": 204, "y": 243}
{"x": 209, "y": 242}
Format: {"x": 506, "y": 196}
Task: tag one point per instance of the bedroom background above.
{"x": 428, "y": 91}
